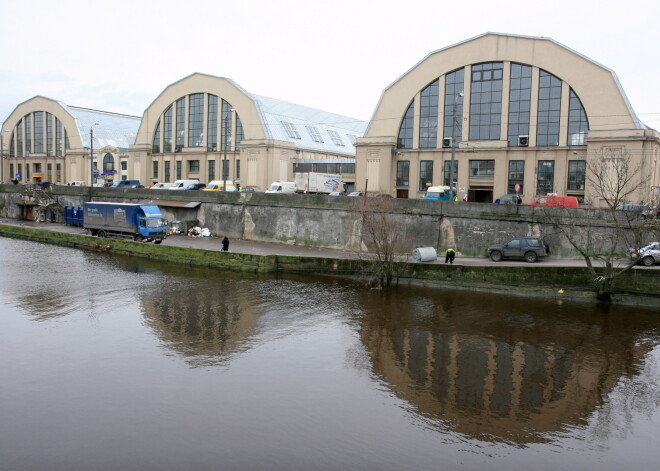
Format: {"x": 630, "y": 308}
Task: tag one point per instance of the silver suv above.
{"x": 648, "y": 255}
{"x": 529, "y": 249}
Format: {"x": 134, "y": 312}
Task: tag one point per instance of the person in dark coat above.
{"x": 225, "y": 244}
{"x": 449, "y": 257}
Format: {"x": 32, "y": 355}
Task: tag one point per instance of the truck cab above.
{"x": 438, "y": 193}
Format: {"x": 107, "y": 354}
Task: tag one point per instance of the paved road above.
{"x": 274, "y": 248}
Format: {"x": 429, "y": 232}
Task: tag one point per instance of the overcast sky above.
{"x": 337, "y": 56}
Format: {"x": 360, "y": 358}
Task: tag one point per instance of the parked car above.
{"x": 645, "y": 211}
{"x": 247, "y": 189}
{"x": 126, "y": 184}
{"x": 558, "y": 201}
{"x": 336, "y": 193}
{"x": 648, "y": 255}
{"x": 195, "y": 186}
{"x": 160, "y": 186}
{"x": 508, "y": 199}
{"x": 529, "y": 249}
{"x": 356, "y": 193}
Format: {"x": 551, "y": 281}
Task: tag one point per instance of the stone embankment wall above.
{"x": 334, "y": 222}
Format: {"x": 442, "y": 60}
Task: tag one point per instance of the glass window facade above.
{"x": 576, "y": 175}
{"x": 482, "y": 168}
{"x": 516, "y": 176}
{"x": 405, "y": 139}
{"x": 28, "y": 134}
{"x": 193, "y": 166}
{"x": 428, "y": 117}
{"x": 212, "y": 125}
{"x": 154, "y": 171}
{"x": 578, "y": 126}
{"x": 425, "y": 174}
{"x": 403, "y": 173}
{"x": 58, "y": 137}
{"x": 109, "y": 163}
{"x": 195, "y": 120}
{"x": 549, "y": 113}
{"x": 19, "y": 139}
{"x": 166, "y": 171}
{"x": 520, "y": 100}
{"x": 38, "y": 132}
{"x": 155, "y": 145}
{"x": 180, "y": 124}
{"x": 226, "y": 125}
{"x": 454, "y": 84}
{"x": 178, "y": 170}
{"x": 486, "y": 101}
{"x": 545, "y": 177}
{"x": 240, "y": 135}
{"x": 49, "y": 135}
{"x": 211, "y": 170}
{"x": 167, "y": 130}
{"x": 445, "y": 174}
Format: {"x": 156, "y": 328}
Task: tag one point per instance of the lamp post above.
{"x": 454, "y": 132}
{"x": 225, "y": 144}
{"x": 91, "y": 154}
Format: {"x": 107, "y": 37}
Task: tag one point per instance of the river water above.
{"x": 111, "y": 363}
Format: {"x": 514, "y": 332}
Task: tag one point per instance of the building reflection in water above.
{"x": 500, "y": 368}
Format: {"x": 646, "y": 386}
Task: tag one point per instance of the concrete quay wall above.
{"x": 332, "y": 222}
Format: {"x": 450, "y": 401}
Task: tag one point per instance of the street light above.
{"x": 91, "y": 154}
{"x": 224, "y": 155}
{"x": 454, "y": 132}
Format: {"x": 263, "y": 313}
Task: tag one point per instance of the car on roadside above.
{"x": 647, "y": 255}
{"x": 356, "y": 193}
{"x": 195, "y": 186}
{"x": 336, "y": 193}
{"x": 530, "y": 249}
{"x": 645, "y": 211}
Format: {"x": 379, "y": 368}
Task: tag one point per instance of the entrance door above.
{"x": 402, "y": 193}
{"x": 482, "y": 194}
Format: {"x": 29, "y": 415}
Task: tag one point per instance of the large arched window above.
{"x": 212, "y": 125}
{"x": 167, "y": 130}
{"x": 155, "y": 145}
{"x": 405, "y": 139}
{"x": 428, "y": 117}
{"x": 108, "y": 163}
{"x": 578, "y": 125}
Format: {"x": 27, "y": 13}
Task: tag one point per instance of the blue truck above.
{"x": 438, "y": 193}
{"x": 139, "y": 222}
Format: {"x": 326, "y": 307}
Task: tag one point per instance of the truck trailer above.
{"x": 139, "y": 222}
{"x": 315, "y": 182}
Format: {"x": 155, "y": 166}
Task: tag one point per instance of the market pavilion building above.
{"x": 45, "y": 140}
{"x": 515, "y": 112}
{"x": 209, "y": 128}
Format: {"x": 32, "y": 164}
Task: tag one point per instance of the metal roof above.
{"x": 309, "y": 126}
{"x": 113, "y": 129}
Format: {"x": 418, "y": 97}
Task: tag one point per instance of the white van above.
{"x": 182, "y": 184}
{"x": 282, "y": 187}
{"x": 161, "y": 186}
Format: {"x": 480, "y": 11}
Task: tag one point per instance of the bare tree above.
{"x": 383, "y": 240}
{"x": 603, "y": 237}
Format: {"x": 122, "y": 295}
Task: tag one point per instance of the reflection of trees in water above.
{"x": 510, "y": 373}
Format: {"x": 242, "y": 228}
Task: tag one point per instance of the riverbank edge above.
{"x": 638, "y": 287}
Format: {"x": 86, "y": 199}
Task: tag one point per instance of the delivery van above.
{"x": 557, "y": 201}
{"x": 217, "y": 185}
{"x": 282, "y": 187}
{"x": 183, "y": 184}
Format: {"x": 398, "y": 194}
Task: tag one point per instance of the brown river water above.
{"x": 113, "y": 363}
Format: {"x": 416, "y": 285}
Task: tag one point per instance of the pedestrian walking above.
{"x": 518, "y": 199}
{"x": 465, "y": 198}
{"x": 225, "y": 244}
{"x": 449, "y": 256}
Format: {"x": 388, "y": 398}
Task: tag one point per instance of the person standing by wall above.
{"x": 449, "y": 256}
{"x": 225, "y": 244}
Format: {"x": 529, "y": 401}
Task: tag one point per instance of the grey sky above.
{"x": 336, "y": 56}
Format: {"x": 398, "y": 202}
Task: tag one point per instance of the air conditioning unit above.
{"x": 446, "y": 142}
{"x": 523, "y": 141}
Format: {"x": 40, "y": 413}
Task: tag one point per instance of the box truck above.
{"x": 315, "y": 182}
{"x": 140, "y": 222}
